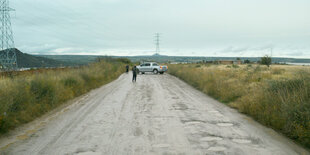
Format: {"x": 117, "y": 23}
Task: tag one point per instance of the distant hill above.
{"x": 30, "y": 61}
{"x": 191, "y": 59}
{"x": 85, "y": 59}
{"x": 73, "y": 59}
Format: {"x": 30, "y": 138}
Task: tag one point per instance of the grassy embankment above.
{"x": 30, "y": 94}
{"x": 278, "y": 97}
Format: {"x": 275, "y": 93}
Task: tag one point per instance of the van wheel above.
{"x": 161, "y": 73}
{"x": 155, "y": 71}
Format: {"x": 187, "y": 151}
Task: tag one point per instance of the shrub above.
{"x": 266, "y": 60}
{"x": 247, "y": 61}
{"x": 278, "y": 71}
{"x": 70, "y": 82}
{"x": 235, "y": 66}
{"x": 43, "y": 90}
{"x": 281, "y": 103}
{"x": 33, "y": 93}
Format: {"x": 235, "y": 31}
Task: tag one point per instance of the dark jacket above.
{"x": 134, "y": 70}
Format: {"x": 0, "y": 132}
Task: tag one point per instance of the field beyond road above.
{"x": 278, "y": 97}
{"x": 159, "y": 114}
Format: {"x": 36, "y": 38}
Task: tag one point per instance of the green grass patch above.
{"x": 27, "y": 96}
{"x": 278, "y": 97}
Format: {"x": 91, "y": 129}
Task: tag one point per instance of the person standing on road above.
{"x": 127, "y": 68}
{"x": 134, "y": 74}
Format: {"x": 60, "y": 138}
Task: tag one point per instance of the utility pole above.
{"x": 7, "y": 53}
{"x": 157, "y": 43}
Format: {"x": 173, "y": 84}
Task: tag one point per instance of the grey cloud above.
{"x": 196, "y": 27}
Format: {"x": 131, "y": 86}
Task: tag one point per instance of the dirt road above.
{"x": 157, "y": 115}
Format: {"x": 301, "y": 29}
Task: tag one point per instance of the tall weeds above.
{"x": 278, "y": 97}
{"x": 26, "y": 97}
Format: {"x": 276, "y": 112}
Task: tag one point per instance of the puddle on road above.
{"x": 211, "y": 138}
{"x": 242, "y": 141}
{"x": 224, "y": 124}
{"x": 217, "y": 148}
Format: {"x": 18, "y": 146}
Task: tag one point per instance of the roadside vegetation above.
{"x": 25, "y": 96}
{"x": 278, "y": 97}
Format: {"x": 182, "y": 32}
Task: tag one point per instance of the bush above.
{"x": 43, "y": 90}
{"x": 281, "y": 103}
{"x": 247, "y": 61}
{"x": 235, "y": 66}
{"x": 70, "y": 82}
{"x": 266, "y": 60}
{"x": 27, "y": 96}
{"x": 278, "y": 71}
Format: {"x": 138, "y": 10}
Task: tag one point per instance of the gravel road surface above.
{"x": 159, "y": 114}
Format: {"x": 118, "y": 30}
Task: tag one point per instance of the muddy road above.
{"x": 159, "y": 114}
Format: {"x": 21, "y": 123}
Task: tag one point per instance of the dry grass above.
{"x": 278, "y": 97}
{"x": 29, "y": 95}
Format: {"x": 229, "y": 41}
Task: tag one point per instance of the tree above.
{"x": 266, "y": 60}
{"x": 247, "y": 61}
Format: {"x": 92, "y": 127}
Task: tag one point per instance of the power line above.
{"x": 8, "y": 53}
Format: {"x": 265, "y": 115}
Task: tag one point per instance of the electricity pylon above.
{"x": 157, "y": 42}
{"x": 7, "y": 54}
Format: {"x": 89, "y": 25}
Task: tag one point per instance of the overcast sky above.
{"x": 188, "y": 27}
